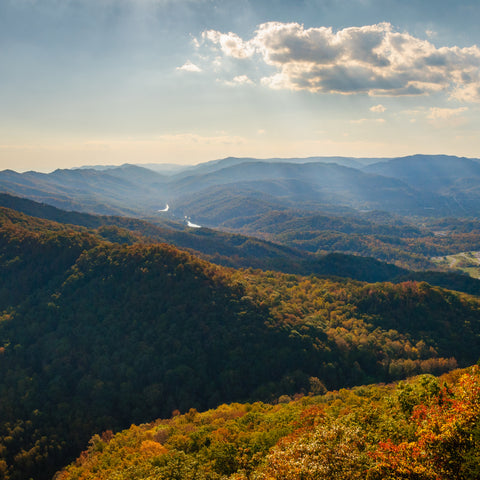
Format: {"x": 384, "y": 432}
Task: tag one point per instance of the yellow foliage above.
{"x": 152, "y": 448}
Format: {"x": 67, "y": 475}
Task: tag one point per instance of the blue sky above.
{"x": 185, "y": 81}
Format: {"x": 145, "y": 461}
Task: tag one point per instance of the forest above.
{"x": 96, "y": 334}
{"x": 426, "y": 428}
{"x": 242, "y": 251}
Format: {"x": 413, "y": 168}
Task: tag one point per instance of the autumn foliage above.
{"x": 447, "y": 437}
{"x": 363, "y": 433}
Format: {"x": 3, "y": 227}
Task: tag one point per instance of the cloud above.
{"x": 368, "y": 120}
{"x": 239, "y": 80}
{"x": 447, "y": 117}
{"x": 445, "y": 113}
{"x": 438, "y": 116}
{"x": 188, "y": 66}
{"x": 373, "y": 59}
{"x": 230, "y": 44}
{"x": 377, "y": 109}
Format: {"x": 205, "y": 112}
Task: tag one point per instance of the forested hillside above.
{"x": 423, "y": 429}
{"x": 401, "y": 243}
{"x": 232, "y": 250}
{"x": 390, "y": 240}
{"x": 95, "y": 335}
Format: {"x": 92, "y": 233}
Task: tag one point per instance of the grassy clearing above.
{"x": 467, "y": 262}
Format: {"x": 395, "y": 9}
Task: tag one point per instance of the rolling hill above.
{"x": 355, "y": 235}
{"x": 430, "y": 172}
{"x": 417, "y": 185}
{"x": 223, "y": 248}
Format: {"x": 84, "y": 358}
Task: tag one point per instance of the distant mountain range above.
{"x": 421, "y": 185}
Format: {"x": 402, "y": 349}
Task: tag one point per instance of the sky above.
{"x": 107, "y": 82}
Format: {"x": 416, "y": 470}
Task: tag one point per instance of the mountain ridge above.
{"x": 135, "y": 190}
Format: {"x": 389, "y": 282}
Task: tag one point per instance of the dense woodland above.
{"x": 423, "y": 429}
{"x": 240, "y": 251}
{"x": 95, "y": 335}
{"x": 407, "y": 243}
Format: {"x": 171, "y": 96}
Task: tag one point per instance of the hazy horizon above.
{"x": 175, "y": 166}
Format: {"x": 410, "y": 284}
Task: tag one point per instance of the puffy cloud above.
{"x": 378, "y": 109}
{"x": 188, "y": 66}
{"x": 283, "y": 44}
{"x": 373, "y": 59}
{"x": 230, "y": 44}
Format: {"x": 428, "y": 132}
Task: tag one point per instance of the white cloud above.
{"x": 378, "y": 109}
{"x": 188, "y": 66}
{"x": 372, "y": 59}
{"x": 195, "y": 42}
{"x": 230, "y": 44}
{"x": 239, "y": 80}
